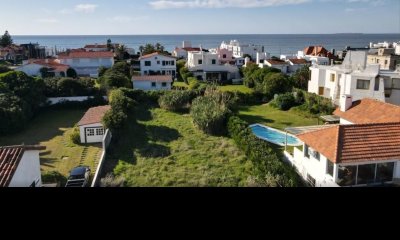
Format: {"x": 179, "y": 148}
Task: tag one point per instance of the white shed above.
{"x": 90, "y": 126}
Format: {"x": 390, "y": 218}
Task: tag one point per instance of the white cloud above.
{"x": 47, "y": 20}
{"x": 86, "y": 8}
{"x": 126, "y": 19}
{"x": 168, "y": 4}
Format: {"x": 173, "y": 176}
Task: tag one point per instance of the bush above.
{"x": 14, "y": 114}
{"x": 75, "y": 136}
{"x": 314, "y": 104}
{"x": 111, "y": 181}
{"x": 115, "y": 119}
{"x": 71, "y": 73}
{"x": 54, "y": 177}
{"x": 120, "y": 102}
{"x": 4, "y": 69}
{"x": 285, "y": 101}
{"x": 264, "y": 159}
{"x": 176, "y": 100}
{"x": 210, "y": 113}
{"x": 193, "y": 83}
{"x": 273, "y": 83}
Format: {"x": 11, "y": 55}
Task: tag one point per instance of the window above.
{"x": 214, "y": 62}
{"x": 145, "y": 72}
{"x": 163, "y": 72}
{"x": 333, "y": 77}
{"x": 224, "y": 56}
{"x": 307, "y": 152}
{"x": 164, "y": 84}
{"x": 330, "y": 168}
{"x": 363, "y": 84}
{"x": 172, "y": 63}
{"x": 321, "y": 91}
{"x": 200, "y": 61}
{"x": 90, "y": 132}
{"x": 366, "y": 174}
{"x": 100, "y": 131}
{"x": 377, "y": 83}
{"x": 386, "y": 62}
{"x": 158, "y": 62}
{"x": 314, "y": 153}
{"x": 347, "y": 176}
{"x": 311, "y": 180}
{"x": 147, "y": 63}
{"x": 153, "y": 84}
{"x": 377, "y": 60}
{"x": 384, "y": 172}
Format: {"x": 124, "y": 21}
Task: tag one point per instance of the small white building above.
{"x": 90, "y": 127}
{"x": 32, "y": 67}
{"x": 296, "y": 64}
{"x": 182, "y": 52}
{"x": 333, "y": 156}
{"x": 157, "y": 64}
{"x": 153, "y": 82}
{"x": 241, "y": 50}
{"x": 281, "y": 65}
{"x": 87, "y": 63}
{"x": 20, "y": 166}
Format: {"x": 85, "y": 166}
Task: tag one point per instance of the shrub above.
{"x": 211, "y": 112}
{"x": 4, "y": 69}
{"x": 193, "y": 83}
{"x": 115, "y": 119}
{"x": 111, "y": 181}
{"x": 71, "y": 73}
{"x": 261, "y": 154}
{"x": 273, "y": 83}
{"x": 75, "y": 136}
{"x": 54, "y": 177}
{"x": 176, "y": 100}
{"x": 120, "y": 102}
{"x": 285, "y": 101}
{"x": 14, "y": 113}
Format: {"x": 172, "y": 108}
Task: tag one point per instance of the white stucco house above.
{"x": 32, "y": 67}
{"x": 240, "y": 50}
{"x": 281, "y": 65}
{"x": 20, "y": 166}
{"x": 207, "y": 67}
{"x": 182, "y": 52}
{"x": 296, "y": 64}
{"x": 336, "y": 157}
{"x": 356, "y": 79}
{"x": 90, "y": 127}
{"x": 87, "y": 63}
{"x": 157, "y": 64}
{"x": 153, "y": 82}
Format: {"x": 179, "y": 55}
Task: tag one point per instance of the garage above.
{"x": 90, "y": 126}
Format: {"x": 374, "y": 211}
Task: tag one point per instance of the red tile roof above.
{"x": 356, "y": 143}
{"x": 319, "y": 51}
{"x": 10, "y": 158}
{"x": 370, "y": 111}
{"x": 298, "y": 61}
{"x": 153, "y": 55}
{"x": 155, "y": 78}
{"x": 51, "y": 63}
{"x": 85, "y": 54}
{"x": 96, "y": 46}
{"x": 276, "y": 62}
{"x": 94, "y": 115}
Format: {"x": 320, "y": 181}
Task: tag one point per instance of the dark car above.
{"x": 79, "y": 177}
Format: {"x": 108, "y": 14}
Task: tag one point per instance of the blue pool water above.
{"x": 274, "y": 136}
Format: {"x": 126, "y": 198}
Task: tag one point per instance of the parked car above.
{"x": 79, "y": 177}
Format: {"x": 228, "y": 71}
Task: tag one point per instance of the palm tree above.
{"x": 121, "y": 51}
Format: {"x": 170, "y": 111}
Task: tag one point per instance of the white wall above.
{"x": 147, "y": 86}
{"x": 394, "y": 98}
{"x": 207, "y": 59}
{"x": 156, "y": 65}
{"x": 345, "y": 122}
{"x": 30, "y": 69}
{"x": 88, "y": 66}
{"x": 28, "y": 170}
{"x": 91, "y": 139}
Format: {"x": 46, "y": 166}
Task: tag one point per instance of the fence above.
{"x": 106, "y": 142}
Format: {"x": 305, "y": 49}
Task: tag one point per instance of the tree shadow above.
{"x": 162, "y": 134}
{"x": 255, "y": 119}
{"x": 47, "y": 162}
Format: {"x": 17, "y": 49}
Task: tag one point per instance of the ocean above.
{"x": 275, "y": 44}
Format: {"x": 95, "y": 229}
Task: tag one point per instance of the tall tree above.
{"x": 6, "y": 40}
{"x": 109, "y": 45}
{"x": 121, "y": 50}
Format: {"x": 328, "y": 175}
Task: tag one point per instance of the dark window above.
{"x": 158, "y": 62}
{"x": 377, "y": 83}
{"x": 307, "y": 152}
{"x": 366, "y": 174}
{"x": 145, "y": 72}
{"x": 363, "y": 84}
{"x": 311, "y": 180}
{"x": 386, "y": 62}
{"x": 173, "y": 72}
{"x": 164, "y": 84}
{"x": 314, "y": 153}
{"x": 224, "y": 56}
{"x": 163, "y": 63}
{"x": 214, "y": 62}
{"x": 384, "y": 172}
{"x": 147, "y": 63}
{"x": 347, "y": 175}
{"x": 330, "y": 168}
{"x": 153, "y": 84}
{"x": 200, "y": 62}
{"x": 163, "y": 72}
{"x": 172, "y": 63}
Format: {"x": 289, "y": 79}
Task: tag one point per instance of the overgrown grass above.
{"x": 165, "y": 149}
{"x": 236, "y": 88}
{"x": 269, "y": 116}
{"x": 51, "y": 128}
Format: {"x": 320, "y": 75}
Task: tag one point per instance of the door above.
{"x": 94, "y": 135}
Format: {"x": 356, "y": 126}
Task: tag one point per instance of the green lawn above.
{"x": 51, "y": 128}
{"x": 236, "y": 88}
{"x": 267, "y": 115}
{"x": 165, "y": 149}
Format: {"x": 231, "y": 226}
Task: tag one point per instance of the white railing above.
{"x": 106, "y": 142}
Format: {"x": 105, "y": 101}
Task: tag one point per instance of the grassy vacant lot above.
{"x": 165, "y": 149}
{"x": 236, "y": 88}
{"x": 275, "y": 118}
{"x": 51, "y": 128}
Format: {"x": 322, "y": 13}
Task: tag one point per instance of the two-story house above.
{"x": 87, "y": 63}
{"x": 385, "y": 57}
{"x": 157, "y": 64}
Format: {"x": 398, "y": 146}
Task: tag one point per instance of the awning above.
{"x": 330, "y": 118}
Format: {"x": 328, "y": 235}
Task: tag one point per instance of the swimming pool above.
{"x": 274, "y": 136}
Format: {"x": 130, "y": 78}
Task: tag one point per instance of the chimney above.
{"x": 346, "y": 102}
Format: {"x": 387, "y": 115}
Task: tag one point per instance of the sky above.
{"x": 90, "y": 17}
